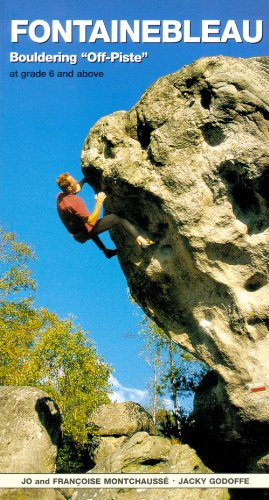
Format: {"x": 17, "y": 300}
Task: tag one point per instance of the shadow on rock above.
{"x": 50, "y": 417}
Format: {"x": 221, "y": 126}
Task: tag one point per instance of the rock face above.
{"x": 118, "y": 419}
{"x": 189, "y": 165}
{"x": 31, "y": 494}
{"x": 151, "y": 454}
{"x": 114, "y": 422}
{"x": 140, "y": 452}
{"x": 30, "y": 430}
{"x": 222, "y": 437}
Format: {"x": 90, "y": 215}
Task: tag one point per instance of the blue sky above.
{"x": 43, "y": 126}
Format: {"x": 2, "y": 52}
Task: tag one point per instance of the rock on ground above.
{"x": 31, "y": 494}
{"x": 118, "y": 419}
{"x": 30, "y": 430}
{"x": 114, "y": 422}
{"x": 106, "y": 445}
{"x": 189, "y": 165}
{"x": 146, "y": 454}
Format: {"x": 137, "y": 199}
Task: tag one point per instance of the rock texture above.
{"x": 189, "y": 165}
{"x": 143, "y": 453}
{"x": 118, "y": 419}
{"x": 29, "y": 430}
{"x": 136, "y": 451}
{"x": 31, "y": 494}
{"x": 223, "y": 438}
{"x": 114, "y": 422}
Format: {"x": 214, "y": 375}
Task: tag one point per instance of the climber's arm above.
{"x": 93, "y": 218}
{"x": 80, "y": 184}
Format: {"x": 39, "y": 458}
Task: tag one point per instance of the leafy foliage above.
{"x": 170, "y": 425}
{"x": 73, "y": 457}
{"x": 176, "y": 373}
{"x": 14, "y": 273}
{"x": 39, "y": 349}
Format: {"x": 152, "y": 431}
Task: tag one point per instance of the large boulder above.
{"x": 104, "y": 447}
{"x": 142, "y": 454}
{"x": 30, "y": 431}
{"x": 122, "y": 419}
{"x": 189, "y": 165}
{"x": 114, "y": 422}
{"x": 32, "y": 494}
{"x": 222, "y": 437}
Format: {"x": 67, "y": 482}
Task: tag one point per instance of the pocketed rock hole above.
{"x": 245, "y": 194}
{"x": 255, "y": 282}
{"x": 206, "y": 98}
{"x": 262, "y": 185}
{"x": 213, "y": 134}
{"x": 108, "y": 148}
{"x": 152, "y": 461}
{"x": 143, "y": 134}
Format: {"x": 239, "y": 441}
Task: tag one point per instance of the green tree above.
{"x": 39, "y": 349}
{"x": 154, "y": 348}
{"x": 175, "y": 372}
{"x": 15, "y": 276}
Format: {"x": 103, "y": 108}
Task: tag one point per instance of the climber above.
{"x": 82, "y": 224}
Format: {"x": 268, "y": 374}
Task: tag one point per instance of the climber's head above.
{"x": 67, "y": 183}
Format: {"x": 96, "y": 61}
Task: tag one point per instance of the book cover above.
{"x": 73, "y": 74}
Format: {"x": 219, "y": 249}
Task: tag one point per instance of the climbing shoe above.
{"x": 110, "y": 253}
{"x": 147, "y": 245}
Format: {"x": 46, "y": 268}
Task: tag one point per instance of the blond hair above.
{"x": 63, "y": 181}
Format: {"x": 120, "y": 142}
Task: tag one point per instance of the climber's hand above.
{"x": 100, "y": 198}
